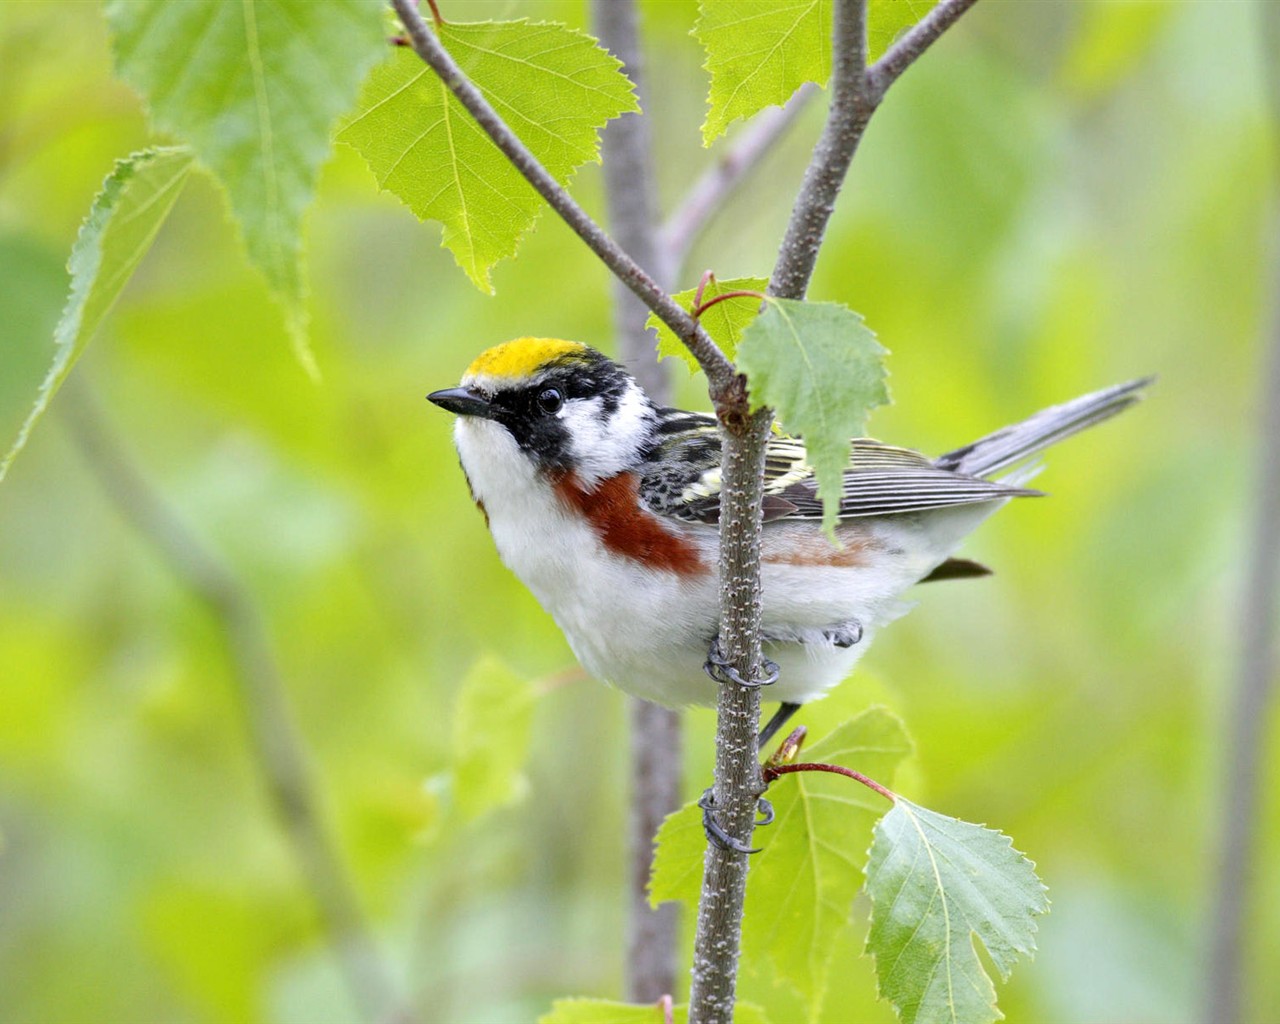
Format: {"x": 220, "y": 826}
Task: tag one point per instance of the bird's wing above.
{"x": 683, "y": 479}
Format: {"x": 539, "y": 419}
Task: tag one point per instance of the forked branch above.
{"x": 855, "y": 94}
{"x": 725, "y": 389}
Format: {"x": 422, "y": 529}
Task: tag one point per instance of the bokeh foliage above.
{"x": 1056, "y": 199}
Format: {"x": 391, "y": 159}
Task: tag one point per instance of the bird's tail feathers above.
{"x": 1011, "y": 445}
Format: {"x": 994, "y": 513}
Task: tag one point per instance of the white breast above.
{"x": 648, "y": 631}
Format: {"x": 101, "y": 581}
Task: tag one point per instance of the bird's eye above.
{"x": 550, "y": 400}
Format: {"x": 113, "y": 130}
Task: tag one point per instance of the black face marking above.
{"x": 530, "y": 413}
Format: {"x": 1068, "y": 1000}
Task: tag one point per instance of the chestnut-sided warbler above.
{"x": 606, "y": 507}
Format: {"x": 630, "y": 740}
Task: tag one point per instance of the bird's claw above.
{"x": 718, "y": 667}
{"x": 765, "y": 809}
{"x": 844, "y": 635}
{"x": 718, "y": 835}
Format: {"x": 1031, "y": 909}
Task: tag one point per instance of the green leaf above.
{"x": 820, "y": 367}
{"x": 492, "y": 726}
{"x": 679, "y": 846}
{"x": 801, "y": 887}
{"x": 606, "y": 1011}
{"x": 886, "y": 20}
{"x": 725, "y": 321}
{"x": 554, "y": 86}
{"x": 936, "y": 882}
{"x": 254, "y": 87}
{"x": 122, "y": 223}
{"x": 759, "y": 52}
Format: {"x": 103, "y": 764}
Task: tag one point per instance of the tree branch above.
{"x": 738, "y": 774}
{"x": 738, "y": 777}
{"x": 261, "y": 694}
{"x": 656, "y": 746}
{"x": 851, "y": 108}
{"x": 1241, "y": 791}
{"x": 907, "y": 50}
{"x": 856, "y": 92}
{"x": 709, "y": 194}
{"x": 727, "y": 390}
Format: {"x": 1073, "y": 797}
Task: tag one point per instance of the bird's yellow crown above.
{"x": 522, "y": 357}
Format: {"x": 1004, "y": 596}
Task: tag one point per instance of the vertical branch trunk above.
{"x": 656, "y": 760}
{"x": 656, "y": 747}
{"x": 1225, "y": 991}
{"x": 738, "y": 779}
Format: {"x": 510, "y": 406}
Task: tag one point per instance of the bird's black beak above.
{"x": 463, "y": 401}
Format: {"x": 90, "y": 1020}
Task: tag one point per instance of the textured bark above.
{"x": 738, "y": 779}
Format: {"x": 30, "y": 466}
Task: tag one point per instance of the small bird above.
{"x": 606, "y": 507}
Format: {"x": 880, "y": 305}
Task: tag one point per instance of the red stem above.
{"x": 772, "y": 771}
{"x": 435, "y": 13}
{"x": 706, "y": 278}
{"x": 700, "y": 308}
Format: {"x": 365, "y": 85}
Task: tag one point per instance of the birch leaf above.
{"x": 492, "y": 727}
{"x": 759, "y": 52}
{"x": 935, "y": 883}
{"x": 554, "y": 86}
{"x": 254, "y": 87}
{"x": 122, "y": 223}
{"x": 801, "y": 886}
{"x": 821, "y": 368}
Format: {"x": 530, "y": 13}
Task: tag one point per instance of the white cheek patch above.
{"x": 603, "y": 444}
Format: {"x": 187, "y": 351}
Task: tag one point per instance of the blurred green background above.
{"x": 1060, "y": 196}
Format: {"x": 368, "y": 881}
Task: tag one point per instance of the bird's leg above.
{"x": 719, "y": 668}
{"x": 779, "y": 719}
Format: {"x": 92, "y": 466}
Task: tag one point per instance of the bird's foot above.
{"x": 843, "y": 634}
{"x": 718, "y": 667}
{"x": 716, "y": 834}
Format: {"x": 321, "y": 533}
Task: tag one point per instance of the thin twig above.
{"x": 856, "y": 91}
{"x": 726, "y": 389}
{"x": 851, "y": 108}
{"x": 656, "y": 741}
{"x": 772, "y": 772}
{"x": 263, "y": 700}
{"x": 712, "y": 191}
{"x": 1241, "y": 790}
{"x": 907, "y": 50}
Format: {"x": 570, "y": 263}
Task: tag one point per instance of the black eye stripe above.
{"x": 535, "y": 425}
